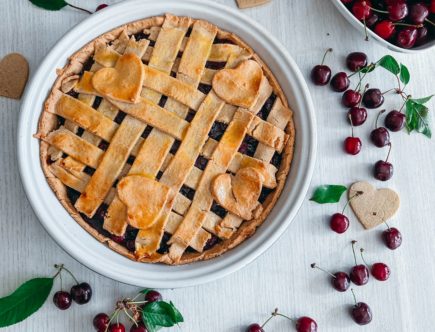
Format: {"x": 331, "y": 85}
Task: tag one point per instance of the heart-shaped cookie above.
{"x": 14, "y": 71}
{"x": 372, "y": 206}
{"x": 239, "y": 194}
{"x": 239, "y": 86}
{"x": 144, "y": 199}
{"x": 123, "y": 82}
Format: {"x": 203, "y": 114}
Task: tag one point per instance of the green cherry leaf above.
{"x": 417, "y": 118}
{"x": 423, "y": 100}
{"x": 405, "y": 76}
{"x": 390, "y": 64}
{"x": 25, "y": 301}
{"x": 176, "y": 315}
{"x": 50, "y": 4}
{"x": 330, "y": 193}
{"x": 160, "y": 314}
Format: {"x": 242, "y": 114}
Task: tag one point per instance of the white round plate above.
{"x": 360, "y": 27}
{"x": 83, "y": 246}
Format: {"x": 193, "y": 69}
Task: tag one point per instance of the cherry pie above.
{"x": 168, "y": 139}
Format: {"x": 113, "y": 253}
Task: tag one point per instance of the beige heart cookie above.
{"x": 242, "y": 4}
{"x": 372, "y": 206}
{"x": 239, "y": 194}
{"x": 14, "y": 72}
{"x": 239, "y": 86}
{"x": 123, "y": 82}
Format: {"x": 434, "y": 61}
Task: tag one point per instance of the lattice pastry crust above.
{"x": 143, "y": 170}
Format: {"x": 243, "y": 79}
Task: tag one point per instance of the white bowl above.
{"x": 360, "y": 27}
{"x": 83, "y": 246}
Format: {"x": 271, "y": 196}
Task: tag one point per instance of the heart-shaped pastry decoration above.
{"x": 144, "y": 199}
{"x": 372, "y": 206}
{"x": 14, "y": 71}
{"x": 239, "y": 86}
{"x": 123, "y": 82}
{"x": 239, "y": 194}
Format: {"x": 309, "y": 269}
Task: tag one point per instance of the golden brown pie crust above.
{"x": 48, "y": 122}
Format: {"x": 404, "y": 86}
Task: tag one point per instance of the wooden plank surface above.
{"x": 282, "y": 276}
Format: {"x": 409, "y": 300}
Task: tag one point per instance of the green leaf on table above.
{"x": 417, "y": 118}
{"x": 423, "y": 100}
{"x": 330, "y": 193}
{"x": 160, "y": 314}
{"x": 25, "y": 301}
{"x": 390, "y": 64}
{"x": 50, "y": 4}
{"x": 405, "y": 76}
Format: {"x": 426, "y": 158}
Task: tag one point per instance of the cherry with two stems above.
{"x": 392, "y": 237}
{"x": 81, "y": 293}
{"x": 303, "y": 324}
{"x": 359, "y": 274}
{"x": 380, "y": 135}
{"x": 352, "y": 144}
{"x": 380, "y": 271}
{"x": 321, "y": 74}
{"x": 339, "y": 280}
{"x": 361, "y": 312}
{"x": 383, "y": 169}
{"x": 357, "y": 115}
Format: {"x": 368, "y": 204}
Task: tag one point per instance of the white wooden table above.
{"x": 282, "y": 277}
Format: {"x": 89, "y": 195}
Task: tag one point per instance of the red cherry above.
{"x": 385, "y": 29}
{"x": 432, "y": 7}
{"x": 118, "y": 327}
{"x": 339, "y": 223}
{"x": 407, "y": 37}
{"x": 392, "y": 238}
{"x": 101, "y": 321}
{"x": 380, "y": 271}
{"x": 254, "y": 328}
{"x": 397, "y": 11}
{"x": 306, "y": 324}
{"x": 362, "y": 9}
{"x": 352, "y": 145}
{"x": 418, "y": 13}
{"x": 351, "y": 98}
{"x": 102, "y": 6}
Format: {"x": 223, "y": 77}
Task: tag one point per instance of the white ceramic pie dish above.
{"x": 360, "y": 27}
{"x": 82, "y": 246}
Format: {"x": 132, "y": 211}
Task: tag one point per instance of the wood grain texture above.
{"x": 282, "y": 276}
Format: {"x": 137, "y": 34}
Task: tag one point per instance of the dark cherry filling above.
{"x": 80, "y": 131}
{"x": 204, "y": 88}
{"x": 97, "y": 102}
{"x": 164, "y": 246}
{"x": 276, "y": 160}
{"x": 60, "y": 121}
{"x": 267, "y": 107}
{"x": 88, "y": 170}
{"x": 103, "y": 145}
{"x": 175, "y": 147}
{"x": 130, "y": 160}
{"x": 211, "y": 242}
{"x": 264, "y": 193}
{"x": 201, "y": 162}
{"x": 222, "y": 41}
{"x": 215, "y": 65}
{"x": 219, "y": 210}
{"x": 152, "y": 43}
{"x": 87, "y": 65}
{"x": 217, "y": 130}
{"x": 188, "y": 192}
{"x": 140, "y": 35}
{"x": 73, "y": 94}
{"x": 119, "y": 117}
{"x": 162, "y": 101}
{"x": 248, "y": 146}
{"x": 159, "y": 175}
{"x": 146, "y": 132}
{"x": 190, "y": 115}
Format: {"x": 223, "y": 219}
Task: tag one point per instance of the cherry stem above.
{"x": 353, "y": 293}
{"x": 377, "y": 118}
{"x": 348, "y": 201}
{"x": 131, "y": 318}
{"x": 115, "y": 314}
{"x": 353, "y": 250}
{"x": 388, "y": 226}
{"x": 409, "y": 25}
{"x": 379, "y": 11}
{"x": 389, "y": 150}
{"x": 351, "y": 123}
{"x": 314, "y": 266}
{"x": 79, "y": 8}
{"x": 430, "y": 22}
{"x": 62, "y": 267}
{"x": 324, "y": 55}
{"x": 365, "y": 29}
{"x": 404, "y": 103}
{"x": 61, "y": 286}
{"x": 385, "y": 92}
{"x": 362, "y": 257}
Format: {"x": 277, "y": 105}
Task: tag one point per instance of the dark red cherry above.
{"x": 153, "y": 296}
{"x": 358, "y": 115}
{"x": 81, "y": 293}
{"x": 380, "y": 137}
{"x": 62, "y": 300}
{"x": 392, "y": 238}
{"x": 407, "y": 37}
{"x": 395, "y": 120}
{"x": 306, "y": 324}
{"x": 418, "y": 12}
{"x": 373, "y": 98}
{"x": 102, "y": 6}
{"x": 352, "y": 145}
{"x": 380, "y": 271}
{"x": 361, "y": 313}
{"x": 397, "y": 11}
{"x": 359, "y": 274}
{"x": 361, "y": 9}
{"x": 351, "y": 98}
{"x": 346, "y": 1}
{"x": 422, "y": 36}
{"x": 339, "y": 223}
{"x": 254, "y": 328}
{"x": 356, "y": 60}
{"x": 432, "y": 7}
{"x": 118, "y": 327}
{"x": 138, "y": 328}
{"x": 383, "y": 170}
{"x": 372, "y": 20}
{"x": 118, "y": 238}
{"x": 321, "y": 74}
{"x": 101, "y": 321}
{"x": 385, "y": 29}
{"x": 340, "y": 82}
{"x": 341, "y": 282}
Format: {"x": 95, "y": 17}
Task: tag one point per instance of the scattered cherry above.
{"x": 339, "y": 223}
{"x": 361, "y": 9}
{"x": 306, "y": 324}
{"x": 254, "y": 328}
{"x": 101, "y": 321}
{"x": 321, "y": 74}
{"x": 407, "y": 37}
{"x": 62, "y": 300}
{"x": 397, "y": 11}
{"x": 351, "y": 98}
{"x": 102, "y": 6}
{"x": 395, "y": 120}
{"x": 339, "y": 280}
{"x": 138, "y": 328}
{"x": 357, "y": 116}
{"x": 418, "y": 13}
{"x": 352, "y": 145}
{"x": 373, "y": 98}
{"x": 153, "y": 296}
{"x": 359, "y": 274}
{"x": 380, "y": 135}
{"x": 385, "y": 29}
{"x": 361, "y": 312}
{"x": 392, "y": 238}
{"x": 340, "y": 82}
{"x": 380, "y": 271}
{"x": 118, "y": 327}
{"x": 81, "y": 293}
{"x": 356, "y": 60}
{"x": 384, "y": 170}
